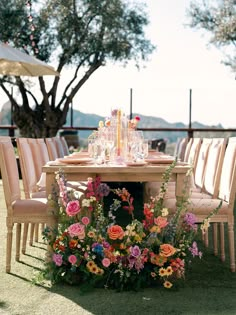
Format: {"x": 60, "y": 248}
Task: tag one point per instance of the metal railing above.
{"x": 190, "y": 131}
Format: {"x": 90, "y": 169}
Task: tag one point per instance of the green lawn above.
{"x": 209, "y": 288}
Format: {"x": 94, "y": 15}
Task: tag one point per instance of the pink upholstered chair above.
{"x": 65, "y": 146}
{"x": 30, "y": 172}
{"x": 181, "y": 147}
{"x": 19, "y": 211}
{"x": 202, "y": 207}
{"x": 59, "y": 146}
{"x": 52, "y": 149}
{"x": 187, "y": 149}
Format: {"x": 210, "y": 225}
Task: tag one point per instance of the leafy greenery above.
{"x": 218, "y": 18}
{"x": 82, "y": 35}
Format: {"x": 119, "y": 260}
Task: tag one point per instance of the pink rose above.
{"x": 57, "y": 258}
{"x": 161, "y": 222}
{"x": 85, "y": 220}
{"x": 106, "y": 262}
{"x": 76, "y": 229}
{"x": 73, "y": 207}
{"x": 72, "y": 259}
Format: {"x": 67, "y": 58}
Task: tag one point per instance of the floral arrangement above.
{"x": 91, "y": 249}
{"x": 132, "y": 123}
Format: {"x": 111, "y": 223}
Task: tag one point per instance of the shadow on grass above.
{"x": 3, "y": 304}
{"x": 30, "y": 265}
{"x": 34, "y": 257}
{"x": 209, "y": 288}
{"x": 39, "y": 247}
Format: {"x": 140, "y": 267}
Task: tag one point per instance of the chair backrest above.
{"x": 59, "y": 147}
{"x": 43, "y": 150}
{"x": 40, "y": 154}
{"x": 199, "y": 171}
{"x": 181, "y": 147}
{"x": 52, "y": 150}
{"x": 194, "y": 151}
{"x": 213, "y": 166}
{"x": 227, "y": 187}
{"x": 65, "y": 146}
{"x": 9, "y": 171}
{"x": 187, "y": 149}
{"x": 28, "y": 172}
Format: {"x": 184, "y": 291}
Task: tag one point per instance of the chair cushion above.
{"x": 30, "y": 206}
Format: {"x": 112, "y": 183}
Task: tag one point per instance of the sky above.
{"x": 161, "y": 88}
{"x": 182, "y": 61}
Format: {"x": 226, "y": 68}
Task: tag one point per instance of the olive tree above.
{"x": 81, "y": 34}
{"x": 218, "y": 19}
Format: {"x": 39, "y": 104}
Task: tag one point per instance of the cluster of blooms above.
{"x": 132, "y": 123}
{"x": 90, "y": 247}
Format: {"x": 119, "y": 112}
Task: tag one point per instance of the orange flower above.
{"x": 161, "y": 222}
{"x": 167, "y": 250}
{"x": 73, "y": 243}
{"x": 115, "y": 232}
{"x": 158, "y": 260}
{"x": 110, "y": 255}
{"x": 61, "y": 247}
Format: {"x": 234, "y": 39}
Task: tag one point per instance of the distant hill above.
{"x": 81, "y": 119}
{"x": 91, "y": 120}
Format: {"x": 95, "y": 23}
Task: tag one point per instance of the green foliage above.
{"x": 83, "y": 35}
{"x": 218, "y": 18}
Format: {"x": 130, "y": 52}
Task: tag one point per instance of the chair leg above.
{"x": 42, "y": 227}
{"x": 222, "y": 242}
{"x": 9, "y": 247}
{"x": 25, "y": 233}
{"x": 36, "y": 233}
{"x": 31, "y": 234}
{"x": 18, "y": 237}
{"x": 231, "y": 246}
{"x": 215, "y": 238}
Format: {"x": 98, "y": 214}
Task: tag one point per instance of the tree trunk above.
{"x": 37, "y": 123}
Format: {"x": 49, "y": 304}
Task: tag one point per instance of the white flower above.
{"x": 164, "y": 212}
{"x": 85, "y": 203}
{"x": 77, "y": 194}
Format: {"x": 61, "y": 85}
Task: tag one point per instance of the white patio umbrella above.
{"x": 16, "y": 63}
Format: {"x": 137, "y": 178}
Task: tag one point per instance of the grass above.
{"x": 209, "y": 288}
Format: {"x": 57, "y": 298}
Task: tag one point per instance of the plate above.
{"x": 136, "y": 163}
{"x": 160, "y": 161}
{"x": 75, "y": 160}
{"x": 79, "y": 154}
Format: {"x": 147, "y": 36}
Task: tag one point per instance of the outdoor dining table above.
{"x": 118, "y": 173}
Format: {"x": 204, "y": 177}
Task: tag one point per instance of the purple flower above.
{"x": 57, "y": 258}
{"x": 103, "y": 190}
{"x": 190, "y": 219}
{"x": 135, "y": 251}
{"x": 105, "y": 244}
{"x": 194, "y": 250}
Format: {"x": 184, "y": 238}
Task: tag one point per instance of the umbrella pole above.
{"x": 11, "y": 131}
